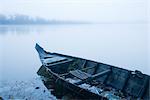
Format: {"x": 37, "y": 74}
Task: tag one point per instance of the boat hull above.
{"x": 62, "y": 87}
{"x": 110, "y": 82}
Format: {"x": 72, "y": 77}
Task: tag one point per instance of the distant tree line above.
{"x": 24, "y": 19}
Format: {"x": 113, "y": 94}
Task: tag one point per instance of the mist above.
{"x": 80, "y": 10}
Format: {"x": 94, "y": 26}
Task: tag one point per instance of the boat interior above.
{"x": 106, "y": 78}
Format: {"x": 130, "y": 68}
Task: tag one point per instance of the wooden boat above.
{"x": 86, "y": 79}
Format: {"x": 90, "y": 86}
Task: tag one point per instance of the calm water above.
{"x": 122, "y": 45}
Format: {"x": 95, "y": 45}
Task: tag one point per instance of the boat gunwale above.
{"x": 111, "y": 66}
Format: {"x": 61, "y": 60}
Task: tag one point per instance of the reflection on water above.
{"x": 123, "y": 45}
{"x": 21, "y": 29}
{"x": 15, "y": 29}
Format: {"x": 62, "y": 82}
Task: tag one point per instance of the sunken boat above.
{"x": 86, "y": 79}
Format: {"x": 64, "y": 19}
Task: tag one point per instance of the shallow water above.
{"x": 122, "y": 45}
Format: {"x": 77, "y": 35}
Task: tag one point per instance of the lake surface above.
{"x": 122, "y": 45}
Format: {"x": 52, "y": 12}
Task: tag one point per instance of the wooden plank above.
{"x": 96, "y": 67}
{"x": 80, "y": 74}
{"x": 54, "y": 59}
{"x": 59, "y": 62}
{"x": 83, "y": 66}
{"x": 92, "y": 77}
{"x": 85, "y": 69}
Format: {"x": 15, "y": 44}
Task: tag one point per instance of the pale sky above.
{"x": 80, "y": 10}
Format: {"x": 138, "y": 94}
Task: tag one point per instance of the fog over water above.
{"x": 122, "y": 45}
{"x": 122, "y": 37}
{"x": 80, "y": 10}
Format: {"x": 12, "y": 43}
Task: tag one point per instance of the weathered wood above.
{"x": 54, "y": 60}
{"x": 101, "y": 74}
{"x": 80, "y": 74}
{"x": 92, "y": 77}
{"x": 59, "y": 62}
{"x": 96, "y": 67}
{"x": 84, "y": 69}
{"x": 125, "y": 84}
{"x": 83, "y": 66}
